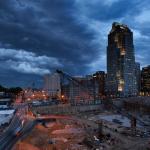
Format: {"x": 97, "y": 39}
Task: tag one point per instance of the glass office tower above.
{"x": 121, "y": 79}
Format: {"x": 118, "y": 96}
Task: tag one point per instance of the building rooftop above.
{"x": 120, "y": 26}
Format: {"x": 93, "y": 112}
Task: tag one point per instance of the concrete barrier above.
{"x": 65, "y": 109}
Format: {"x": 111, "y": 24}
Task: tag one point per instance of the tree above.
{"x": 15, "y": 90}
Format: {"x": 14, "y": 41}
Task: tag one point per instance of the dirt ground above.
{"x": 65, "y": 135}
{"x": 54, "y": 136}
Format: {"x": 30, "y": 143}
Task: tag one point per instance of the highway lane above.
{"x": 24, "y": 132}
{"x": 14, "y": 125}
{"x": 10, "y": 133}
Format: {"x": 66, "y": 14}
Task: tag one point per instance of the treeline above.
{"x": 12, "y": 90}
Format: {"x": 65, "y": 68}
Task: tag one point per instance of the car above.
{"x": 17, "y": 131}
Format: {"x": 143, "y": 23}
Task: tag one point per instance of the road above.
{"x": 25, "y": 130}
{"x": 17, "y": 124}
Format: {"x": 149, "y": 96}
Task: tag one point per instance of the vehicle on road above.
{"x": 18, "y": 130}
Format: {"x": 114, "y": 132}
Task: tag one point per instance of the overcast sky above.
{"x": 37, "y": 36}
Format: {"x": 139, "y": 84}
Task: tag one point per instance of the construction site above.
{"x": 67, "y": 127}
{"x": 88, "y": 123}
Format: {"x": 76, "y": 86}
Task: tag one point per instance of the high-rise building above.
{"x": 145, "y": 81}
{"x": 99, "y": 78}
{"x": 52, "y": 84}
{"x": 138, "y": 76}
{"x": 121, "y": 80}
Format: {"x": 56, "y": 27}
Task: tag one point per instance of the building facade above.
{"x": 81, "y": 90}
{"x": 52, "y": 85}
{"x": 145, "y": 81}
{"x": 99, "y": 78}
{"x": 138, "y": 76}
{"x": 121, "y": 80}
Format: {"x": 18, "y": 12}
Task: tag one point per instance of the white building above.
{"x": 52, "y": 84}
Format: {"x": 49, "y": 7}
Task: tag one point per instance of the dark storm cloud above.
{"x": 46, "y": 27}
{"x": 135, "y": 13}
{"x": 71, "y": 32}
{"x": 108, "y": 10}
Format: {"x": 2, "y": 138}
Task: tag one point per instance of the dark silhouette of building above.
{"x": 145, "y": 81}
{"x": 138, "y": 76}
{"x": 121, "y": 80}
{"x": 99, "y": 78}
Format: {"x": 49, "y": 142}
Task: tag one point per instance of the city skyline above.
{"x": 74, "y": 75}
{"x": 37, "y": 37}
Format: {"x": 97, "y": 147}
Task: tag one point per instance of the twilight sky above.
{"x": 37, "y": 36}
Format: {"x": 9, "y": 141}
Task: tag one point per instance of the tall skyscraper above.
{"x": 121, "y": 80}
{"x": 145, "y": 81}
